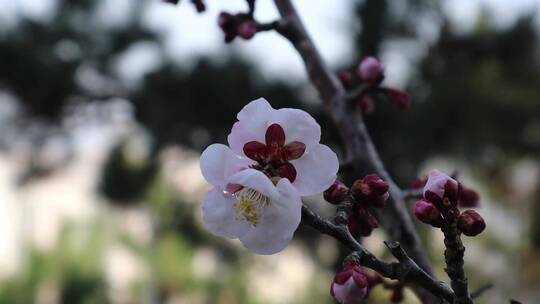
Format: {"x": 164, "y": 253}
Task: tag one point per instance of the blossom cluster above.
{"x": 369, "y": 74}
{"x": 442, "y": 197}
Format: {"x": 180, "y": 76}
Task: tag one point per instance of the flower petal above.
{"x": 219, "y": 215}
{"x": 316, "y": 170}
{"x": 294, "y": 150}
{"x": 255, "y": 150}
{"x": 298, "y": 126}
{"x": 218, "y": 162}
{"x": 278, "y": 223}
{"x": 255, "y": 180}
{"x": 251, "y": 125}
{"x": 437, "y": 181}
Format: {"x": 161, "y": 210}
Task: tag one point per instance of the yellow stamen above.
{"x": 250, "y": 205}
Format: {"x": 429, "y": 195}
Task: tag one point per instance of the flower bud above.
{"x": 371, "y": 70}
{"x": 468, "y": 197}
{"x": 371, "y": 190}
{"x": 228, "y": 24}
{"x": 439, "y": 187}
{"x": 366, "y": 104}
{"x": 337, "y": 193}
{"x": 428, "y": 213}
{"x": 350, "y": 286}
{"x": 346, "y": 79}
{"x": 247, "y": 29}
{"x": 471, "y": 223}
{"x": 399, "y": 99}
{"x": 361, "y": 223}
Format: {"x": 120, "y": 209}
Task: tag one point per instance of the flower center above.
{"x": 250, "y": 205}
{"x": 273, "y": 157}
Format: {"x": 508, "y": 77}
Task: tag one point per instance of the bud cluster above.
{"x": 370, "y": 74}
{"x": 442, "y": 197}
{"x": 368, "y": 192}
{"x": 468, "y": 198}
{"x": 239, "y": 25}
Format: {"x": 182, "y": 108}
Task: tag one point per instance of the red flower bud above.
{"x": 398, "y": 98}
{"x": 247, "y": 29}
{"x": 350, "y": 286}
{"x": 346, "y": 79}
{"x": 471, "y": 223}
{"x": 228, "y": 24}
{"x": 361, "y": 222}
{"x": 366, "y": 104}
{"x": 468, "y": 197}
{"x": 428, "y": 213}
{"x": 337, "y": 193}
{"x": 371, "y": 190}
{"x": 370, "y": 70}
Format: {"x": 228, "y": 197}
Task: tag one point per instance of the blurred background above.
{"x": 106, "y": 105}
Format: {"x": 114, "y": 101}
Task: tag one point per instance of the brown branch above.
{"x": 453, "y": 256}
{"x": 359, "y": 146}
{"x": 405, "y": 270}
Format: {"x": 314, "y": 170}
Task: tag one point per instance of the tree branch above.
{"x": 359, "y": 146}
{"x": 453, "y": 256}
{"x": 405, "y": 270}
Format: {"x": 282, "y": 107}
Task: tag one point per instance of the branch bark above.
{"x": 359, "y": 147}
{"x": 405, "y": 270}
{"x": 453, "y": 256}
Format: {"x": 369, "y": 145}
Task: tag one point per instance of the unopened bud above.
{"x": 337, "y": 193}
{"x": 468, "y": 197}
{"x": 350, "y": 285}
{"x": 346, "y": 79}
{"x": 371, "y": 190}
{"x": 428, "y": 213}
{"x": 366, "y": 104}
{"x": 471, "y": 223}
{"x": 247, "y": 29}
{"x": 371, "y": 70}
{"x": 440, "y": 188}
{"x": 399, "y": 99}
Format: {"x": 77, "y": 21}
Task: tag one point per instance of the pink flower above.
{"x": 350, "y": 286}
{"x": 274, "y": 158}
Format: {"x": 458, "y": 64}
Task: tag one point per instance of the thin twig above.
{"x": 405, "y": 270}
{"x": 453, "y": 256}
